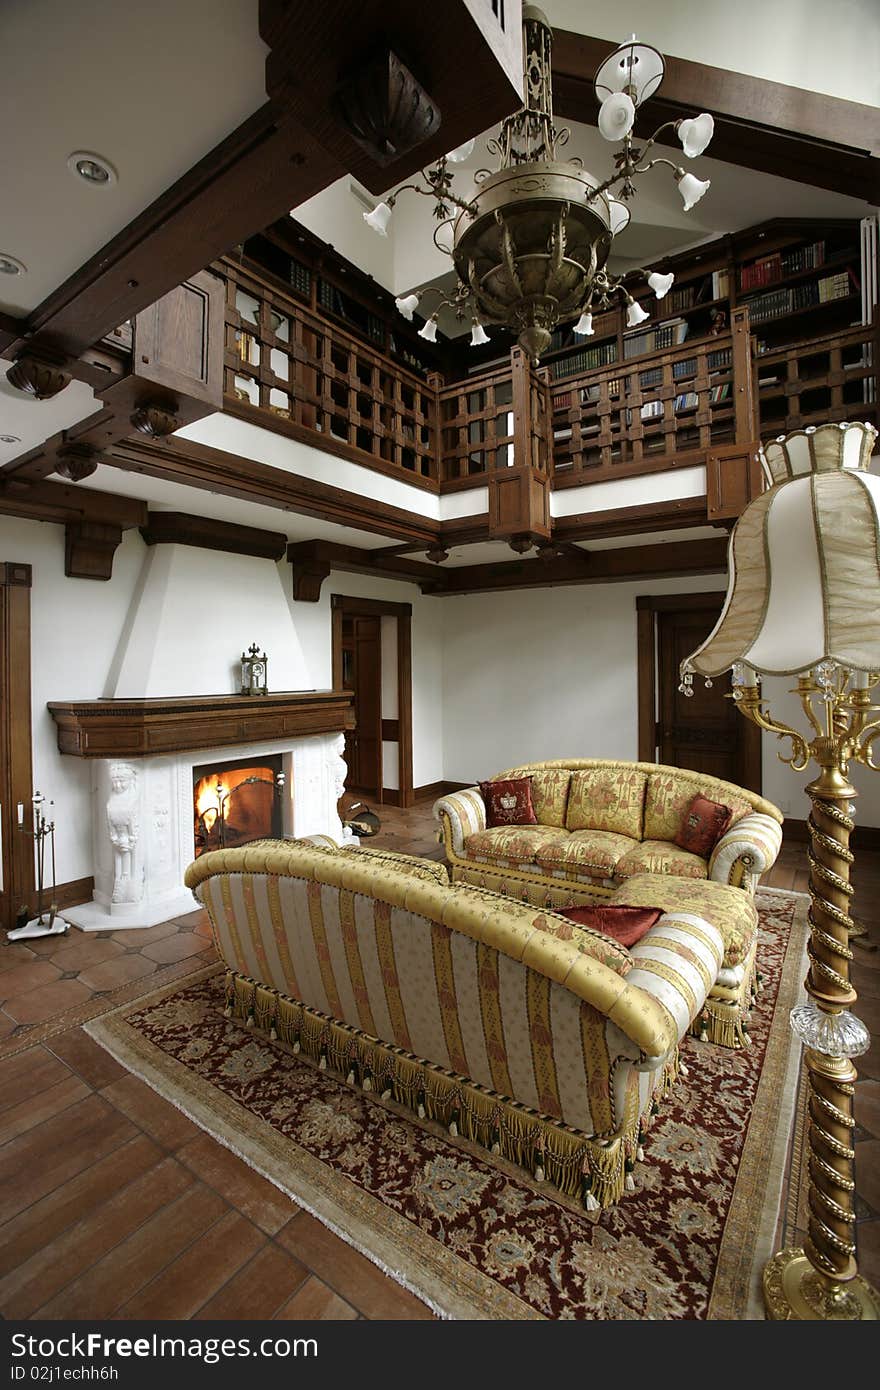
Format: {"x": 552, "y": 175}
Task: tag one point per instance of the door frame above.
{"x": 398, "y": 730}
{"x": 648, "y": 606}
{"x": 16, "y": 757}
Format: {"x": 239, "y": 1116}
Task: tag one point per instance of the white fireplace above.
{"x": 142, "y": 822}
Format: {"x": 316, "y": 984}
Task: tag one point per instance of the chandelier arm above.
{"x": 667, "y": 125}
{"x": 652, "y": 164}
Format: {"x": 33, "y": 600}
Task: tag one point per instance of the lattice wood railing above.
{"x": 315, "y": 378}
{"x": 323, "y": 384}
{"x": 819, "y": 381}
{"x": 636, "y": 416}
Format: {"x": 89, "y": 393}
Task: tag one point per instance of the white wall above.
{"x": 552, "y": 673}
{"x": 211, "y": 606}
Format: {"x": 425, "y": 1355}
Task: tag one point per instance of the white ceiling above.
{"x": 685, "y": 533}
{"x": 32, "y": 421}
{"x": 151, "y": 87}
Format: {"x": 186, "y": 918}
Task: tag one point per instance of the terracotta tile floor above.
{"x": 113, "y": 1204}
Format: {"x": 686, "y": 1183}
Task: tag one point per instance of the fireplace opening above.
{"x": 236, "y": 802}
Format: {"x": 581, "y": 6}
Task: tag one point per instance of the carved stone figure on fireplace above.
{"x": 124, "y": 827}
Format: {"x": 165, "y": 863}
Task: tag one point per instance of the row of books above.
{"x": 805, "y": 296}
{"x": 665, "y": 335}
{"x": 584, "y": 361}
{"x": 772, "y": 268}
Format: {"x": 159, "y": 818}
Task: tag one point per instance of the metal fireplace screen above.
{"x": 236, "y": 802}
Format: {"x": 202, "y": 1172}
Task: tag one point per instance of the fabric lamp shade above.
{"x": 804, "y": 572}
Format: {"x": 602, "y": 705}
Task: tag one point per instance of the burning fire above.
{"x": 219, "y": 787}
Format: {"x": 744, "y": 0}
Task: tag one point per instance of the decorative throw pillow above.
{"x": 703, "y": 826}
{"x": 508, "y": 802}
{"x": 626, "y": 925}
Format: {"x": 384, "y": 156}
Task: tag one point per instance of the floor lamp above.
{"x": 803, "y": 601}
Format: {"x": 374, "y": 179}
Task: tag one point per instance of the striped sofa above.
{"x": 606, "y": 830}
{"x": 546, "y": 1043}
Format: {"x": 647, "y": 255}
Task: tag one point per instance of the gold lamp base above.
{"x": 793, "y": 1290}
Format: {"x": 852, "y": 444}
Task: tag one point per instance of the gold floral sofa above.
{"x": 606, "y": 830}
{"x": 544, "y": 1042}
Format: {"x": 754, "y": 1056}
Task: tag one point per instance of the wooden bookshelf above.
{"x": 782, "y": 242}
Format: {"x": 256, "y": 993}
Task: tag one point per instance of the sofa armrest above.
{"x": 677, "y": 962}
{"x": 747, "y": 850}
{"x": 460, "y": 814}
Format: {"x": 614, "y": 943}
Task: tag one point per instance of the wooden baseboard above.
{"x": 78, "y": 890}
{"x": 863, "y": 837}
{"x": 391, "y": 797}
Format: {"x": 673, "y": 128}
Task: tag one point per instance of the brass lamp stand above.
{"x": 822, "y": 1280}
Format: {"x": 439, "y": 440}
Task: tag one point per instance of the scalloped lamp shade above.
{"x": 635, "y": 314}
{"x": 634, "y": 67}
{"x": 479, "y": 335}
{"x": 616, "y": 116}
{"x": 378, "y": 219}
{"x": 804, "y": 582}
{"x": 660, "y": 284}
{"x": 619, "y": 215}
{"x": 429, "y": 331}
{"x": 584, "y": 325}
{"x": 691, "y": 189}
{"x": 407, "y": 305}
{"x": 696, "y": 133}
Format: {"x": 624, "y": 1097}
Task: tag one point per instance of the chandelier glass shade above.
{"x": 530, "y": 242}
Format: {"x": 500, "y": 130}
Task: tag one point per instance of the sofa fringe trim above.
{"x": 597, "y": 1170}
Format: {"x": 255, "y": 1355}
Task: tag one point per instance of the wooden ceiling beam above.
{"x": 182, "y": 528}
{"x": 213, "y": 470}
{"x": 822, "y": 141}
{"x": 293, "y": 146}
{"x": 65, "y": 502}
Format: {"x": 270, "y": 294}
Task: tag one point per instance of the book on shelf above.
{"x": 720, "y": 360}
{"x": 584, "y": 360}
{"x": 719, "y": 393}
{"x": 804, "y": 296}
{"x": 720, "y": 284}
{"x": 652, "y": 410}
{"x": 688, "y": 400}
{"x": 665, "y": 335}
{"x": 803, "y": 258}
{"x": 760, "y": 273}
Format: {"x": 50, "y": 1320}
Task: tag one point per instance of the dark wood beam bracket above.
{"x": 89, "y": 548}
{"x": 182, "y": 528}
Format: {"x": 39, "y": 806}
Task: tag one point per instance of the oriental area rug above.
{"x": 480, "y": 1239}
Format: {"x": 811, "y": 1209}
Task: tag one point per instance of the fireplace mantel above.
{"x": 138, "y": 728}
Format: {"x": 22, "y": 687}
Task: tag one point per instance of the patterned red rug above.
{"x": 480, "y": 1239}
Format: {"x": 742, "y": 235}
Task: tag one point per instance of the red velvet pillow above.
{"x": 703, "y": 826}
{"x": 508, "y": 802}
{"x": 626, "y": 925}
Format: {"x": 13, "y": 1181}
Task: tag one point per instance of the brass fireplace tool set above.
{"x": 47, "y": 921}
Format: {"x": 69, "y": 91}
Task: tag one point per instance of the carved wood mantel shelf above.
{"x": 137, "y": 728}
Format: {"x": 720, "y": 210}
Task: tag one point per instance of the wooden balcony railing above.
{"x": 635, "y": 416}
{"x": 493, "y": 421}
{"x": 819, "y": 381}
{"x": 694, "y": 403}
{"x": 316, "y": 378}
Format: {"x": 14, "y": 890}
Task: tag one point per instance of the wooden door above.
{"x": 704, "y": 732}
{"x": 362, "y": 674}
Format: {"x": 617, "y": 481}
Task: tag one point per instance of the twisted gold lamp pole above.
{"x": 822, "y": 1280}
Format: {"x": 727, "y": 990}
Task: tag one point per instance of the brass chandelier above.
{"x": 531, "y": 243}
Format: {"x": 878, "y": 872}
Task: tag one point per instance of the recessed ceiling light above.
{"x": 9, "y": 439}
{"x": 11, "y": 265}
{"x": 93, "y": 168}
